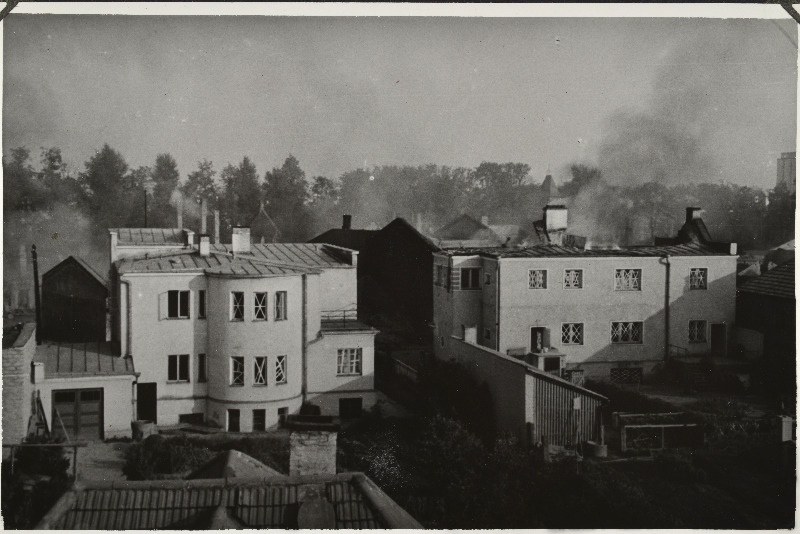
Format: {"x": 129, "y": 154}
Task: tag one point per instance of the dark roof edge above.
{"x": 392, "y": 515}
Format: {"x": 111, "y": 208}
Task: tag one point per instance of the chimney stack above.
{"x": 180, "y": 213}
{"x": 203, "y": 216}
{"x": 692, "y": 214}
{"x": 346, "y": 220}
{"x": 555, "y": 223}
{"x": 216, "y": 227}
{"x": 205, "y": 245}
{"x": 240, "y": 240}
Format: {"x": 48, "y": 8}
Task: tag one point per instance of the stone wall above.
{"x": 313, "y": 452}
{"x": 17, "y": 386}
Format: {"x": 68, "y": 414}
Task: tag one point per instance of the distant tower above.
{"x": 786, "y": 170}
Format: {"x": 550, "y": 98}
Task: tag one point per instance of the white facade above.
{"x": 602, "y": 312}
{"x": 258, "y": 324}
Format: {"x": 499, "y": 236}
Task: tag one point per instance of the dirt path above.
{"x": 102, "y": 461}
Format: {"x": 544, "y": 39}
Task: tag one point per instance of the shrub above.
{"x": 157, "y": 456}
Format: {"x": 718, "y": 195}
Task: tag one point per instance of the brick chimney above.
{"x": 216, "y": 227}
{"x": 203, "y": 216}
{"x": 205, "y": 245}
{"x": 240, "y": 240}
{"x": 179, "y": 209}
{"x": 346, "y": 221}
{"x": 555, "y": 223}
{"x": 692, "y": 214}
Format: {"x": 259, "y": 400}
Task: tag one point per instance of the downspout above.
{"x": 127, "y": 317}
{"x": 36, "y": 295}
{"x": 304, "y": 349}
{"x": 666, "y": 307}
{"x": 497, "y": 305}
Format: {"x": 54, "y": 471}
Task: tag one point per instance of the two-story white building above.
{"x": 613, "y": 314}
{"x": 239, "y": 335}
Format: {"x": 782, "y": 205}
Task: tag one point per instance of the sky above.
{"x": 644, "y": 98}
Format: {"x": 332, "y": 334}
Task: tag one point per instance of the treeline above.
{"x": 111, "y": 194}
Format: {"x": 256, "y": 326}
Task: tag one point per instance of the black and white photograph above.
{"x": 399, "y": 266}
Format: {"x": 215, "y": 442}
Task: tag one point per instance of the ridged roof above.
{"x": 779, "y": 282}
{"x": 232, "y": 463}
{"x": 62, "y": 360}
{"x": 270, "y": 259}
{"x": 555, "y": 251}
{"x": 149, "y": 236}
{"x": 354, "y": 239}
{"x": 251, "y": 503}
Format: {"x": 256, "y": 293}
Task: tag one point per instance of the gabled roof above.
{"x": 353, "y": 239}
{"x": 465, "y": 227}
{"x": 263, "y": 228}
{"x": 779, "y": 282}
{"x": 149, "y": 236}
{"x": 555, "y": 251}
{"x": 401, "y": 223}
{"x": 233, "y": 463}
{"x": 82, "y": 264}
{"x": 254, "y": 503}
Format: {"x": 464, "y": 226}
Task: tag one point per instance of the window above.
{"x": 280, "y": 306}
{"x": 628, "y": 280}
{"x": 201, "y": 304}
{"x": 487, "y": 333}
{"x": 537, "y": 279}
{"x": 237, "y": 371}
{"x": 471, "y": 278}
{"x": 201, "y": 368}
{"x": 630, "y": 332}
{"x": 487, "y": 279}
{"x": 697, "y": 331}
{"x": 233, "y": 420}
{"x": 573, "y": 279}
{"x": 280, "y": 370}
{"x": 259, "y": 420}
{"x": 698, "y": 278}
{"x": 626, "y": 375}
{"x": 178, "y": 368}
{"x": 349, "y": 362}
{"x": 572, "y": 333}
{"x": 282, "y": 413}
{"x": 260, "y": 307}
{"x": 178, "y": 304}
{"x": 260, "y": 371}
{"x": 237, "y": 306}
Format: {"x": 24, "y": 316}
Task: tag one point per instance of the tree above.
{"x": 284, "y": 193}
{"x": 200, "y": 184}
{"x": 241, "y": 192}
{"x": 165, "y": 180}
{"x": 22, "y": 190}
{"x": 104, "y": 185}
{"x": 323, "y": 190}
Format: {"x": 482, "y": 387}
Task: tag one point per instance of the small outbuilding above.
{"x": 74, "y": 300}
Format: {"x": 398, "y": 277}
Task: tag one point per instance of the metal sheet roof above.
{"x": 215, "y": 264}
{"x": 779, "y": 282}
{"x": 150, "y": 236}
{"x": 556, "y": 251}
{"x": 253, "y": 503}
{"x": 63, "y": 360}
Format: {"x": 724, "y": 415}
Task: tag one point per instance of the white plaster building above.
{"x": 613, "y": 314}
{"x": 238, "y": 335}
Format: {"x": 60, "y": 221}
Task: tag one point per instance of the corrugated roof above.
{"x": 255, "y": 503}
{"x": 354, "y": 239}
{"x": 554, "y": 251}
{"x": 215, "y": 264}
{"x": 779, "y": 282}
{"x": 63, "y": 360}
{"x": 150, "y": 236}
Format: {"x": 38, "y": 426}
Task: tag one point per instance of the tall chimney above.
{"x": 203, "y": 216}
{"x": 180, "y": 213}
{"x": 216, "y": 227}
{"x": 346, "y": 220}
{"x": 240, "y": 240}
{"x": 555, "y": 223}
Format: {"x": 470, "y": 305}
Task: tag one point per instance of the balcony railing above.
{"x": 341, "y": 320}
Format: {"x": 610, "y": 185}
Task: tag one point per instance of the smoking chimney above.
{"x": 205, "y": 244}
{"x": 555, "y": 223}
{"x": 240, "y": 240}
{"x": 216, "y": 227}
{"x": 203, "y": 216}
{"x": 692, "y": 214}
{"x": 346, "y": 220}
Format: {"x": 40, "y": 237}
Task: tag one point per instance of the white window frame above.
{"x": 569, "y": 284}
{"x": 469, "y": 278}
{"x": 627, "y": 280}
{"x": 281, "y": 305}
{"x": 532, "y": 273}
{"x": 237, "y": 305}
{"x": 281, "y": 375}
{"x": 698, "y": 335}
{"x": 182, "y": 363}
{"x": 237, "y": 371}
{"x": 260, "y": 371}
{"x": 182, "y": 312}
{"x": 260, "y": 301}
{"x": 571, "y": 331}
{"x": 627, "y": 328}
{"x": 349, "y": 362}
{"x": 701, "y": 283}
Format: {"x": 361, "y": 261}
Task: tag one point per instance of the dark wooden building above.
{"x": 73, "y": 302}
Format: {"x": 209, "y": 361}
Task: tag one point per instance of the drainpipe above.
{"x": 36, "y": 296}
{"x": 304, "y": 339}
{"x": 666, "y": 306}
{"x": 127, "y": 317}
{"x": 497, "y": 305}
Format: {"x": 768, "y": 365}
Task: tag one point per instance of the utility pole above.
{"x": 145, "y": 206}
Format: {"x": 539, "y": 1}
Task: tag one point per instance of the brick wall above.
{"x": 17, "y": 387}
{"x": 313, "y": 452}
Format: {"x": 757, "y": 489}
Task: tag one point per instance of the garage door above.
{"x": 78, "y": 414}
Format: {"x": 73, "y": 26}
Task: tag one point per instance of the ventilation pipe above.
{"x": 216, "y": 227}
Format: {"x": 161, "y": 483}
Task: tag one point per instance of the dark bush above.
{"x": 157, "y": 455}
